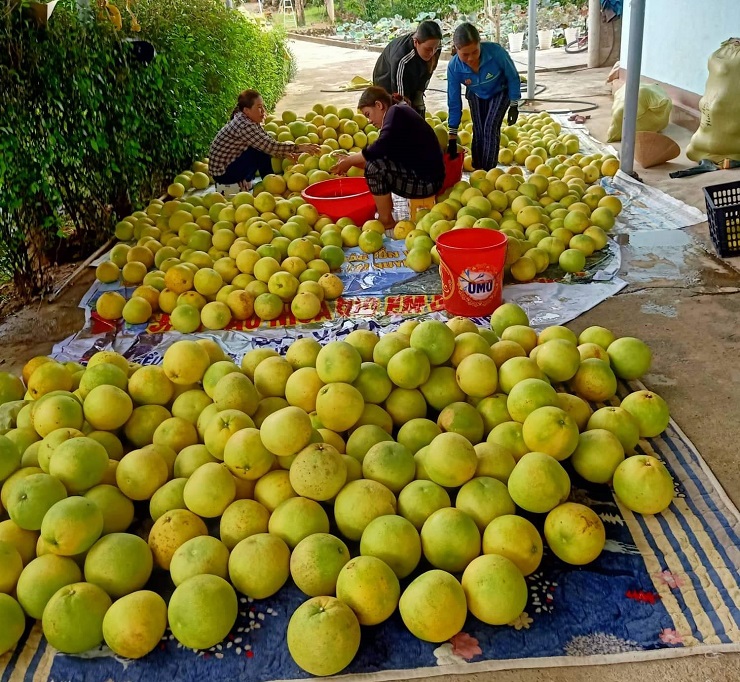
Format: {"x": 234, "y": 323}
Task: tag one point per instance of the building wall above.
{"x": 680, "y": 36}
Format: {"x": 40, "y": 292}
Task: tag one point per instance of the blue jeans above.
{"x": 244, "y": 167}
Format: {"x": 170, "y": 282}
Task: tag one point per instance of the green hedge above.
{"x": 87, "y": 132}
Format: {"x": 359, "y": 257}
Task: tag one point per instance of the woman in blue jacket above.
{"x": 492, "y": 87}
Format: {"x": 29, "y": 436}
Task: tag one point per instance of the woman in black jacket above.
{"x": 405, "y": 159}
{"x": 407, "y": 63}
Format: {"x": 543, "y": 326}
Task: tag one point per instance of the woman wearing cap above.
{"x": 407, "y": 63}
{"x": 242, "y": 149}
{"x": 405, "y": 159}
{"x": 492, "y": 88}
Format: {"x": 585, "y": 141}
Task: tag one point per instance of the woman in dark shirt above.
{"x": 407, "y": 63}
{"x": 406, "y": 159}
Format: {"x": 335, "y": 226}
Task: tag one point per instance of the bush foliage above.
{"x": 87, "y": 131}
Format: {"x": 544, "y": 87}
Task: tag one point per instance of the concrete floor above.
{"x": 682, "y": 300}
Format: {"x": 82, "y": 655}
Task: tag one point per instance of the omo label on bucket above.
{"x": 477, "y": 284}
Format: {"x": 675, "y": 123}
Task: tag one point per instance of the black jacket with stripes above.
{"x": 401, "y": 70}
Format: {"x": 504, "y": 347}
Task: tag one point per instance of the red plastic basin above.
{"x": 342, "y": 198}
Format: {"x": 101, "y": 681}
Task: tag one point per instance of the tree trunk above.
{"x": 300, "y": 12}
{"x": 33, "y": 275}
{"x": 330, "y": 10}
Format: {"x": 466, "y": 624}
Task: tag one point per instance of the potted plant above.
{"x": 571, "y": 18}
{"x": 516, "y": 29}
{"x": 546, "y": 22}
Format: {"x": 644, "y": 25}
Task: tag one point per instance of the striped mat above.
{"x": 666, "y": 586}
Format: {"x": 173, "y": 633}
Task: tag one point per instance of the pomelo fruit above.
{"x": 241, "y": 519}
{"x": 117, "y": 509}
{"x": 135, "y": 624}
{"x": 594, "y": 381}
{"x": 435, "y": 339}
{"x": 576, "y": 407}
{"x": 185, "y": 362}
{"x": 297, "y": 518}
{"x": 143, "y": 422}
{"x": 31, "y": 497}
{"x": 73, "y": 618}
{"x": 259, "y": 565}
{"x": 450, "y": 539}
{"x": 236, "y": 392}
{"x": 442, "y": 389}
{"x": 316, "y": 562}
{"x": 538, "y": 483}
{"x": 79, "y": 463}
{"x": 463, "y": 419}
{"x": 23, "y": 540}
{"x": 597, "y": 455}
{"x": 495, "y": 589}
{"x": 501, "y": 351}
{"x": 245, "y": 455}
{"x": 630, "y": 358}
{"x": 433, "y": 607}
{"x": 12, "y": 623}
{"x": 389, "y": 463}
{"x": 286, "y": 432}
{"x": 141, "y": 473}
{"x": 508, "y": 315}
{"x": 592, "y": 350}
{"x": 527, "y": 396}
{"x": 509, "y": 436}
{"x": 56, "y": 412}
{"x": 71, "y": 526}
{"x": 167, "y": 498}
{"x": 373, "y": 383}
{"x": 221, "y": 427}
{"x": 477, "y": 375}
{"x": 273, "y": 488}
{"x": 518, "y": 369}
{"x": 302, "y": 387}
{"x": 210, "y": 490}
{"x": 420, "y": 499}
{"x": 522, "y": 334}
{"x": 395, "y": 541}
{"x": 323, "y": 636}
{"x": 318, "y": 472}
{"x": 550, "y": 430}
{"x": 170, "y": 531}
{"x": 484, "y": 499}
{"x": 495, "y": 461}
{"x": 119, "y": 563}
{"x": 339, "y": 406}
{"x": 358, "y": 503}
{"x": 107, "y": 408}
{"x": 650, "y": 412}
{"x": 338, "y": 361}
{"x": 42, "y": 578}
{"x": 363, "y": 438}
{"x": 515, "y": 538}
{"x": 575, "y": 533}
{"x": 11, "y": 567}
{"x": 494, "y": 411}
{"x": 620, "y": 422}
{"x": 370, "y": 588}
{"x": 199, "y": 556}
{"x": 598, "y": 335}
{"x": 643, "y": 484}
{"x": 417, "y": 433}
{"x": 202, "y": 611}
{"x": 559, "y": 359}
{"x": 451, "y": 460}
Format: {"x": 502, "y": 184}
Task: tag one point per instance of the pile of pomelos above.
{"x": 557, "y": 215}
{"x": 375, "y": 472}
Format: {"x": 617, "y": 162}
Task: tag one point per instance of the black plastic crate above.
{"x": 723, "y": 213}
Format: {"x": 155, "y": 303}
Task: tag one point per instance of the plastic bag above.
{"x": 718, "y": 136}
{"x": 653, "y": 111}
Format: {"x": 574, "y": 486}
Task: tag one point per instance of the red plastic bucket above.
{"x": 472, "y": 270}
{"x": 453, "y": 170}
{"x": 342, "y": 198}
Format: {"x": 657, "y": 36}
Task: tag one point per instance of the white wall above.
{"x": 680, "y": 36}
